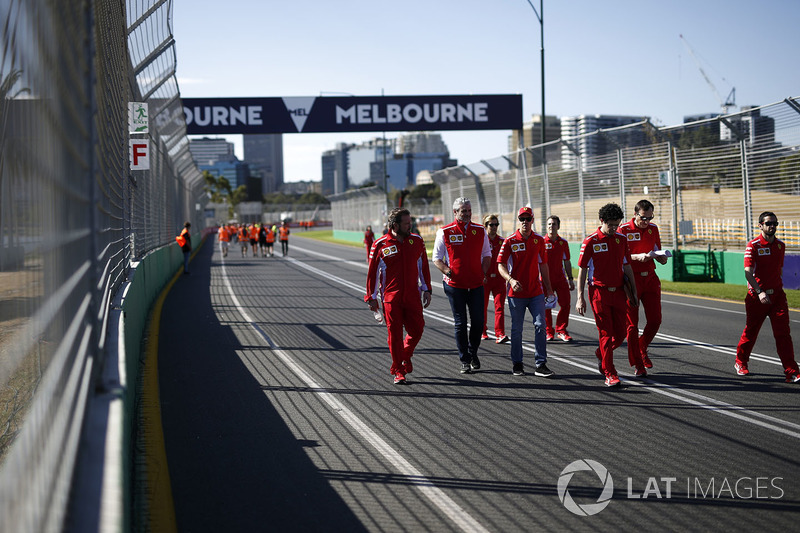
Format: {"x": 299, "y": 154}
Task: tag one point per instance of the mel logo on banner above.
{"x": 310, "y": 114}
{"x": 140, "y": 154}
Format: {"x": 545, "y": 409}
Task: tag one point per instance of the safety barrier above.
{"x": 74, "y": 222}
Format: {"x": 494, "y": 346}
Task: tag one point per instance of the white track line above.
{"x": 442, "y": 501}
{"x": 717, "y": 406}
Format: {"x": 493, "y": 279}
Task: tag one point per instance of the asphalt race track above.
{"x": 279, "y": 414}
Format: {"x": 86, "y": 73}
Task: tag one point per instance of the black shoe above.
{"x": 518, "y": 369}
{"x": 543, "y": 372}
{"x": 475, "y": 364}
{"x": 465, "y": 368}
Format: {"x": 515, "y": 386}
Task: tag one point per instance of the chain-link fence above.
{"x": 708, "y": 180}
{"x": 73, "y": 218}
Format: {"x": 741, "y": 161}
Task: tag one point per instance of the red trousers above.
{"x": 399, "y": 314}
{"x": 648, "y": 288}
{"x": 778, "y": 313}
{"x": 564, "y": 298}
{"x": 497, "y": 287}
{"x": 610, "y": 315}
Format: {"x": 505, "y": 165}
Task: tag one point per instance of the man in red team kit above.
{"x": 644, "y": 244}
{"x": 560, "y": 277}
{"x": 369, "y": 238}
{"x": 522, "y": 262}
{"x": 763, "y": 268}
{"x": 605, "y": 261}
{"x": 495, "y": 284}
{"x": 398, "y": 269}
{"x": 462, "y": 253}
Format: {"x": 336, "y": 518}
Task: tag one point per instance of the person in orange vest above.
{"x": 270, "y": 240}
{"x": 224, "y": 240}
{"x": 185, "y": 242}
{"x": 283, "y": 235}
{"x": 242, "y": 238}
{"x": 253, "y": 232}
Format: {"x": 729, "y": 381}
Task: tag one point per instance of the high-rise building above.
{"x": 754, "y": 127}
{"x": 393, "y": 163}
{"x": 593, "y": 145}
{"x": 264, "y": 154}
{"x": 207, "y": 151}
{"x": 532, "y": 136}
{"x": 334, "y": 170}
{"x": 236, "y": 172}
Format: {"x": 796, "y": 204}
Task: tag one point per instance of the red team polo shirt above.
{"x": 495, "y": 244}
{"x": 557, "y": 252}
{"x": 766, "y": 259}
{"x": 522, "y": 258}
{"x": 641, "y": 241}
{"x": 464, "y": 251}
{"x": 604, "y": 256}
{"x": 398, "y": 269}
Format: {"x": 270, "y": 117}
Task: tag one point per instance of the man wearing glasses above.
{"x": 763, "y": 268}
{"x": 521, "y": 259}
{"x": 495, "y": 284}
{"x": 462, "y": 253}
{"x": 605, "y": 261}
{"x": 644, "y": 244}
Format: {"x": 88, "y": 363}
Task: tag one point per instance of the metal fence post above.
{"x": 621, "y": 174}
{"x": 748, "y": 201}
{"x": 673, "y": 172}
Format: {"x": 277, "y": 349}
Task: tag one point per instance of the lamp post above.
{"x": 540, "y": 18}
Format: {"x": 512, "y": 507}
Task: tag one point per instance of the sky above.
{"x": 613, "y": 57}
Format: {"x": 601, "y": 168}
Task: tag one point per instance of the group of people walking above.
{"x": 534, "y": 273}
{"x": 255, "y": 236}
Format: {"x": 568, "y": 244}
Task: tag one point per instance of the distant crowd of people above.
{"x": 533, "y": 273}
{"x": 259, "y": 238}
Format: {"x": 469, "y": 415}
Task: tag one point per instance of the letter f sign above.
{"x": 140, "y": 154}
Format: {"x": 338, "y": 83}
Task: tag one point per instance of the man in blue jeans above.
{"x": 462, "y": 253}
{"x": 522, "y": 257}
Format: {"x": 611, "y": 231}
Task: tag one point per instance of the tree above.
{"x": 218, "y": 187}
{"x": 311, "y": 198}
{"x": 236, "y": 197}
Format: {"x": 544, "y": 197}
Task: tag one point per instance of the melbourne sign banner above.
{"x": 325, "y": 114}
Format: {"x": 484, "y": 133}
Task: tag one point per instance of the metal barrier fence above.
{"x": 72, "y": 218}
{"x": 708, "y": 180}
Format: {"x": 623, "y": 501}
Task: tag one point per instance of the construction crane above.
{"x": 730, "y": 101}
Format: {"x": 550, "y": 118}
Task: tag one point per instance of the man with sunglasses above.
{"x": 644, "y": 243}
{"x": 605, "y": 261}
{"x": 495, "y": 284}
{"x": 763, "y": 268}
{"x": 462, "y": 254}
{"x": 522, "y": 258}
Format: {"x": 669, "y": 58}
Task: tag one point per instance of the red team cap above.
{"x": 525, "y": 211}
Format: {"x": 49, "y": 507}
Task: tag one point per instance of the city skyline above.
{"x": 618, "y": 58}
